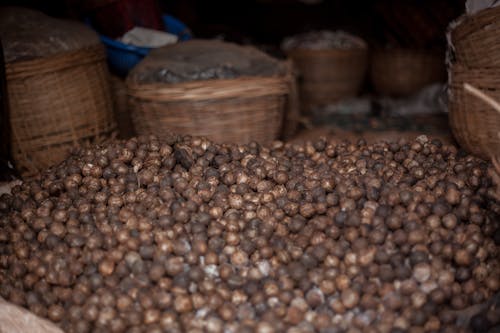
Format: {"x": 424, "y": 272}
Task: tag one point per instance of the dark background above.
{"x": 408, "y": 23}
{"x": 419, "y": 24}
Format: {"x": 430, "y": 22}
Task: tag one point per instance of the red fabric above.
{"x": 116, "y": 18}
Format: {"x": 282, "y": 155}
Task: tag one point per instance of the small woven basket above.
{"x": 56, "y": 103}
{"x": 475, "y": 124}
{"x": 328, "y": 75}
{"x": 401, "y": 72}
{"x": 476, "y": 39}
{"x": 237, "y": 110}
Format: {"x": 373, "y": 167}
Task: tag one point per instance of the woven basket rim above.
{"x": 469, "y": 24}
{"x": 325, "y": 52}
{"x": 457, "y": 67}
{"x": 64, "y": 60}
{"x": 130, "y": 81}
{"x": 409, "y": 52}
{"x": 211, "y": 89}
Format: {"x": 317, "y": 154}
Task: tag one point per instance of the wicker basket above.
{"x": 227, "y": 110}
{"x": 401, "y": 72}
{"x": 476, "y": 39}
{"x": 120, "y": 106}
{"x": 475, "y": 124}
{"x": 327, "y": 76}
{"x": 56, "y": 103}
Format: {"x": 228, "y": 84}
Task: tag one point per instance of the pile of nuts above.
{"x": 184, "y": 235}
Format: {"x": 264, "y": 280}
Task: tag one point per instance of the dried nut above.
{"x": 181, "y": 234}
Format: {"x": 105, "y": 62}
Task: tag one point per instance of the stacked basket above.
{"x": 474, "y": 59}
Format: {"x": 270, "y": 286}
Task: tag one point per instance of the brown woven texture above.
{"x": 401, "y": 72}
{"x": 476, "y": 39}
{"x": 231, "y": 110}
{"x": 327, "y": 76}
{"x": 56, "y": 103}
{"x": 474, "y": 123}
{"x": 120, "y": 107}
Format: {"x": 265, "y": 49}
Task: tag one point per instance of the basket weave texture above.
{"x": 401, "y": 72}
{"x": 237, "y": 110}
{"x": 56, "y": 103}
{"x": 474, "y": 59}
{"x": 120, "y": 106}
{"x": 474, "y": 123}
{"x": 476, "y": 39}
{"x": 220, "y": 90}
{"x": 328, "y": 75}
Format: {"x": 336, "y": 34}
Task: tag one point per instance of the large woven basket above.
{"x": 475, "y": 124}
{"x": 56, "y": 103}
{"x": 328, "y": 75}
{"x": 476, "y": 39}
{"x": 238, "y": 110}
{"x": 402, "y": 72}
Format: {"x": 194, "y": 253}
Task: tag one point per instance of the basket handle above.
{"x": 491, "y": 102}
{"x": 482, "y": 96}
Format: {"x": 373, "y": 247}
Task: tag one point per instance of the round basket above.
{"x": 56, "y": 103}
{"x": 401, "y": 72}
{"x": 475, "y": 124}
{"x": 237, "y": 110}
{"x": 476, "y": 38}
{"x": 327, "y": 76}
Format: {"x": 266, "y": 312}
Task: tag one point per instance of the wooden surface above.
{"x": 339, "y": 134}
{"x": 377, "y": 129}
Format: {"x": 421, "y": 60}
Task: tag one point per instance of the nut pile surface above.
{"x": 184, "y": 235}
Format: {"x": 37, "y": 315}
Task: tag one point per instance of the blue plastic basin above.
{"x": 123, "y": 57}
